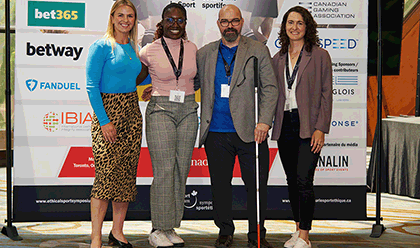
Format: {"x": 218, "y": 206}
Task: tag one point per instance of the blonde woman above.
{"x": 113, "y": 70}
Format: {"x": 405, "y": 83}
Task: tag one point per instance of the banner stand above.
{"x": 9, "y": 230}
{"x": 378, "y": 228}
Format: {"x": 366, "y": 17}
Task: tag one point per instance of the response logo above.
{"x": 56, "y": 14}
{"x": 51, "y": 121}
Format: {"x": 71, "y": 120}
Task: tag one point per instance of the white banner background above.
{"x": 40, "y": 153}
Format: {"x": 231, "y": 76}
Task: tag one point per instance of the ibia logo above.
{"x": 32, "y": 84}
{"x": 51, "y": 121}
{"x": 67, "y": 121}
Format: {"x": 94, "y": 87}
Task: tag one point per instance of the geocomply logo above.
{"x": 53, "y": 50}
{"x": 32, "y": 84}
{"x": 56, "y": 14}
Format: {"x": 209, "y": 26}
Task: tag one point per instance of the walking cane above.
{"x": 257, "y": 168}
{"x": 257, "y": 164}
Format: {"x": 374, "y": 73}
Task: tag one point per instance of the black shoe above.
{"x": 224, "y": 241}
{"x": 115, "y": 242}
{"x": 254, "y": 243}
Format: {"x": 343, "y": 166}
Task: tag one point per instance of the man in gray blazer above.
{"x": 228, "y": 127}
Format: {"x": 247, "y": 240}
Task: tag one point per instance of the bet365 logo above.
{"x": 56, "y": 14}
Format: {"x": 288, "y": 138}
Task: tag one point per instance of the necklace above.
{"x": 125, "y": 51}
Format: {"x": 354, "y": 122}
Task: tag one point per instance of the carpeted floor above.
{"x": 401, "y": 218}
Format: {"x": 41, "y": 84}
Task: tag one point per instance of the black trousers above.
{"x": 221, "y": 150}
{"x": 299, "y": 164}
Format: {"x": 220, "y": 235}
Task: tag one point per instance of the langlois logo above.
{"x": 53, "y": 50}
{"x": 32, "y": 84}
{"x": 67, "y": 121}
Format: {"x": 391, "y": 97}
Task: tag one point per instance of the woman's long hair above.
{"x": 311, "y": 35}
{"x": 159, "y": 26}
{"x": 110, "y": 32}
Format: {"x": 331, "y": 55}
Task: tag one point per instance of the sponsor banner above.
{"x": 53, "y": 49}
{"x": 45, "y": 84}
{"x": 79, "y": 162}
{"x": 61, "y": 203}
{"x": 53, "y": 157}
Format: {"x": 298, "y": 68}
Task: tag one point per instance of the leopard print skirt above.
{"x": 116, "y": 163}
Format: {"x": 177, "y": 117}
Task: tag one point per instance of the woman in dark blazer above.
{"x": 303, "y": 114}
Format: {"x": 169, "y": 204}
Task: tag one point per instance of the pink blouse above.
{"x": 160, "y": 69}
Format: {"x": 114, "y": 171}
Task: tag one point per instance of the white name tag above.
{"x": 225, "y": 91}
{"x": 177, "y": 96}
{"x": 287, "y": 103}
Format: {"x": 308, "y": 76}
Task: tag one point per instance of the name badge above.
{"x": 177, "y": 96}
{"x": 225, "y": 91}
{"x": 287, "y": 103}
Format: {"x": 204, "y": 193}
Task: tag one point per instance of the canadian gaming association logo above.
{"x": 51, "y": 121}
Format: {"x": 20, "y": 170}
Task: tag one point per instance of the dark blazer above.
{"x": 241, "y": 97}
{"x": 313, "y": 92}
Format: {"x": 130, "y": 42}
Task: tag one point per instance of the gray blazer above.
{"x": 313, "y": 92}
{"x": 241, "y": 97}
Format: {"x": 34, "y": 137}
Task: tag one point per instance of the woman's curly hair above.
{"x": 311, "y": 35}
{"x": 159, "y": 26}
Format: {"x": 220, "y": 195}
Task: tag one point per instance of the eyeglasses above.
{"x": 171, "y": 20}
{"x": 234, "y": 22}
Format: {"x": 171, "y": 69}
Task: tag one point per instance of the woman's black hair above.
{"x": 159, "y": 26}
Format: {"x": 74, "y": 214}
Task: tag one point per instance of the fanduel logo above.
{"x": 53, "y": 50}
{"x": 31, "y": 84}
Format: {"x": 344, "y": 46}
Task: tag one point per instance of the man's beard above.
{"x": 231, "y": 37}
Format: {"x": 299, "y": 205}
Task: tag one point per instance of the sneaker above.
{"x": 175, "y": 239}
{"x": 224, "y": 241}
{"x": 158, "y": 239}
{"x": 264, "y": 244}
{"x": 300, "y": 243}
{"x": 292, "y": 241}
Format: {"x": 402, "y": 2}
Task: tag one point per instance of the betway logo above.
{"x": 53, "y": 50}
